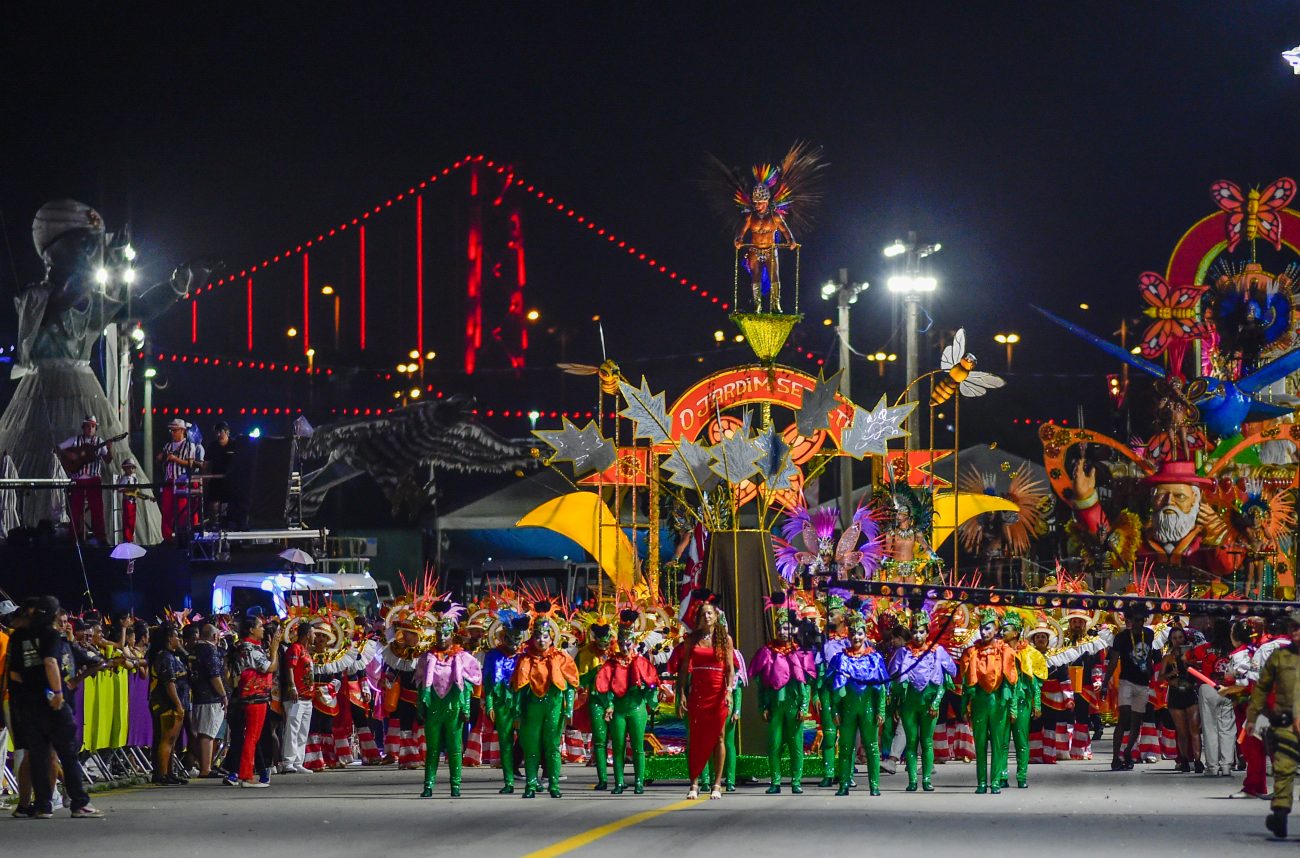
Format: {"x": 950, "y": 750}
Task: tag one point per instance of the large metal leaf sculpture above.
{"x": 736, "y": 456}
{"x": 689, "y": 466}
{"x": 647, "y": 411}
{"x": 871, "y": 431}
{"x": 818, "y": 402}
{"x": 584, "y": 447}
{"x": 775, "y": 466}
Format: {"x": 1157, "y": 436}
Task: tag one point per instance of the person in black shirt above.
{"x": 43, "y": 720}
{"x": 1134, "y": 656}
{"x": 220, "y": 492}
{"x": 168, "y": 699}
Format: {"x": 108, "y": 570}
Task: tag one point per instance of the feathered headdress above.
{"x": 896, "y": 496}
{"x": 816, "y": 529}
{"x": 791, "y": 188}
{"x": 1018, "y": 528}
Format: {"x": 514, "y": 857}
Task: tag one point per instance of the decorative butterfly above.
{"x": 1254, "y": 214}
{"x": 1176, "y": 310}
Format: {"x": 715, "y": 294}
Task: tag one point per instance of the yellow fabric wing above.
{"x": 584, "y": 518}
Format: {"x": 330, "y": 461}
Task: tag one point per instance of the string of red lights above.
{"x": 413, "y": 191}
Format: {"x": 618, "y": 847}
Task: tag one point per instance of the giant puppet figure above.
{"x": 85, "y": 289}
{"x": 546, "y": 678}
{"x": 445, "y": 676}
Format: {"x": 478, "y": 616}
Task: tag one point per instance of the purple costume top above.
{"x": 830, "y": 648}
{"x": 858, "y": 672}
{"x": 927, "y": 668}
{"x": 438, "y": 674}
{"x": 775, "y": 669}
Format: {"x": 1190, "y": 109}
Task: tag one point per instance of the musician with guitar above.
{"x": 83, "y": 457}
{"x": 183, "y": 459}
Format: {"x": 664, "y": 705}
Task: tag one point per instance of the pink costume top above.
{"x": 777, "y": 664}
{"x": 438, "y": 671}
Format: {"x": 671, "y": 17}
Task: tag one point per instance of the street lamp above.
{"x": 1008, "y": 340}
{"x": 911, "y": 285}
{"x": 533, "y": 315}
{"x": 845, "y": 295}
{"x": 330, "y": 292}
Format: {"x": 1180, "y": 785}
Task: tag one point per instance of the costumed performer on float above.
{"x": 500, "y": 697}
{"x": 706, "y": 677}
{"x": 626, "y": 686}
{"x": 445, "y": 676}
{"x": 989, "y": 675}
{"x": 920, "y": 673}
{"x": 859, "y": 679}
{"x": 546, "y": 678}
{"x": 1027, "y": 700}
{"x": 597, "y": 649}
{"x": 783, "y": 673}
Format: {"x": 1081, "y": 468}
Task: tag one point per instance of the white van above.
{"x": 274, "y": 592}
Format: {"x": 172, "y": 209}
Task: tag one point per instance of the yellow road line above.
{"x": 577, "y": 841}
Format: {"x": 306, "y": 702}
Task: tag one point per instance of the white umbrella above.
{"x": 297, "y": 555}
{"x": 130, "y": 552}
{"x": 127, "y": 551}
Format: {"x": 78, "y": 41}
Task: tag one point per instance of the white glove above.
{"x": 1261, "y": 727}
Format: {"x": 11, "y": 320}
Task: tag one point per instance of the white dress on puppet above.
{"x": 8, "y": 498}
{"x": 60, "y": 321}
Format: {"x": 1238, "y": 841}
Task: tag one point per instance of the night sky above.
{"x": 1056, "y": 151}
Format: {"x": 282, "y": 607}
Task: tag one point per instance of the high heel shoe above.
{"x": 693, "y": 793}
{"x": 715, "y": 793}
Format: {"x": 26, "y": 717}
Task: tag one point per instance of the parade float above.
{"x": 1196, "y": 517}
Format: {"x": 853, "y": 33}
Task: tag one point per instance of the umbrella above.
{"x": 297, "y": 555}
{"x": 127, "y": 551}
{"x": 130, "y": 552}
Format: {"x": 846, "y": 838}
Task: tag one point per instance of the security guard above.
{"x": 1281, "y": 677}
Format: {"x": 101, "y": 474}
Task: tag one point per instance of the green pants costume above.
{"x": 918, "y": 709}
{"x": 628, "y": 722}
{"x": 444, "y": 722}
{"x": 784, "y": 708}
{"x": 599, "y": 738}
{"x": 989, "y": 714}
{"x": 729, "y": 744}
{"x": 860, "y": 714}
{"x": 541, "y": 732}
{"x": 1024, "y": 700}
{"x": 1285, "y": 745}
{"x": 502, "y": 706}
{"x": 826, "y": 717}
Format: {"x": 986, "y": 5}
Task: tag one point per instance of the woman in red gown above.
{"x": 706, "y": 670}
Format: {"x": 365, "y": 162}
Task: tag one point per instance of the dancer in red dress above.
{"x": 706, "y": 670}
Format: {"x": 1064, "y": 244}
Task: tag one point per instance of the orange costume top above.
{"x": 988, "y": 665}
{"x": 554, "y": 668}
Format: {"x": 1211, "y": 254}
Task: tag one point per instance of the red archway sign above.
{"x": 747, "y": 385}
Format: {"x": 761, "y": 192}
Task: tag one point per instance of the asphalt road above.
{"x": 1073, "y": 808}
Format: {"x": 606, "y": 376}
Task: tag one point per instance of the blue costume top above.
{"x": 858, "y": 672}
{"x": 498, "y": 668}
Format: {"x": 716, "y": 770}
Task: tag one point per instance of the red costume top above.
{"x": 622, "y": 671}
